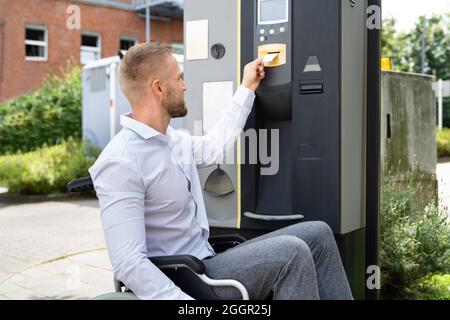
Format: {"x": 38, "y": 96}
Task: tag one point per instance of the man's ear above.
{"x": 156, "y": 87}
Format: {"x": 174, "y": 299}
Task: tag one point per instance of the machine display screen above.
{"x": 272, "y": 11}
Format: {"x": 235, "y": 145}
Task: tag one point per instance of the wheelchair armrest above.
{"x": 224, "y": 242}
{"x": 179, "y": 261}
{"x": 180, "y": 269}
{"x": 227, "y": 238}
{"x": 78, "y": 185}
{"x": 170, "y": 263}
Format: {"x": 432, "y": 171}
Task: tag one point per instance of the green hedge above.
{"x": 48, "y": 169}
{"x": 443, "y": 142}
{"x": 436, "y": 287}
{"x": 446, "y": 113}
{"x": 47, "y": 116}
{"x": 414, "y": 243}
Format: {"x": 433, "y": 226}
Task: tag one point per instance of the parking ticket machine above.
{"x": 308, "y": 124}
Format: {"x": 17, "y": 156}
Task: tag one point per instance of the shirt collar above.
{"x": 140, "y": 128}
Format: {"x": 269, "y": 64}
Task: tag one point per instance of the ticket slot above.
{"x": 273, "y": 55}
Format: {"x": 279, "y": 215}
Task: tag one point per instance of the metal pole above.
{"x": 424, "y": 44}
{"x": 2, "y": 56}
{"x": 147, "y": 22}
{"x": 441, "y": 103}
{"x": 373, "y": 149}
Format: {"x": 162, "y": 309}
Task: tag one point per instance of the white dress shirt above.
{"x": 151, "y": 199}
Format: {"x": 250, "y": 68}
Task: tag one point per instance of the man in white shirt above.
{"x": 151, "y": 198}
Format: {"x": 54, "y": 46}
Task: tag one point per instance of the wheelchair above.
{"x": 187, "y": 272}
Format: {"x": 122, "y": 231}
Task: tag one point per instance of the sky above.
{"x": 406, "y": 12}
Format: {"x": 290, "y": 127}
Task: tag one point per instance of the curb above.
{"x": 443, "y": 160}
{"x": 18, "y": 199}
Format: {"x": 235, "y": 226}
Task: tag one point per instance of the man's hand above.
{"x": 253, "y": 74}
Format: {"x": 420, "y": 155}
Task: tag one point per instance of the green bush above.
{"x": 446, "y": 112}
{"x": 436, "y": 287}
{"x": 415, "y": 243}
{"x": 48, "y": 169}
{"x": 47, "y": 116}
{"x": 443, "y": 142}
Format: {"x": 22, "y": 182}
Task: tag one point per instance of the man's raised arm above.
{"x": 210, "y": 148}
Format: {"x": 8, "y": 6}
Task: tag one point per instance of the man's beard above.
{"x": 175, "y": 107}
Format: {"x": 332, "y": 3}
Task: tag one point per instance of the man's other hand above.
{"x": 253, "y": 74}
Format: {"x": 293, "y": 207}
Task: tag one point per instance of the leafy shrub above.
{"x": 48, "y": 169}
{"x": 443, "y": 142}
{"x": 415, "y": 243}
{"x": 47, "y": 116}
{"x": 435, "y": 287}
{"x": 446, "y": 112}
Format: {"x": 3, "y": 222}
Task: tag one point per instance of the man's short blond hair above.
{"x": 141, "y": 65}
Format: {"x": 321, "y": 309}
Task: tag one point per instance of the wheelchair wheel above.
{"x": 117, "y": 296}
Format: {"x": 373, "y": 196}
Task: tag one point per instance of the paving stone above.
{"x": 19, "y": 294}
{"x": 37, "y": 241}
{"x": 32, "y": 233}
{"x": 98, "y": 259}
{"x": 9, "y": 287}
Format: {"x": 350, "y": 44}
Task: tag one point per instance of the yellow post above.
{"x": 386, "y": 64}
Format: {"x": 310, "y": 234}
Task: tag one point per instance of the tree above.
{"x": 396, "y": 46}
{"x": 437, "y": 51}
{"x": 405, "y": 49}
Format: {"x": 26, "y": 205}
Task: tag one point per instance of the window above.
{"x": 178, "y": 53}
{"x": 127, "y": 43}
{"x": 90, "y": 48}
{"x": 36, "y": 43}
{"x": 178, "y": 48}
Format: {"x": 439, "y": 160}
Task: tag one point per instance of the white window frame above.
{"x": 127, "y": 38}
{"x": 37, "y": 43}
{"x": 97, "y": 49}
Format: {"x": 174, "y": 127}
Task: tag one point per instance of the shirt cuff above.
{"x": 244, "y": 97}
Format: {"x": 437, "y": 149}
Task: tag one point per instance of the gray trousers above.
{"x": 300, "y": 262}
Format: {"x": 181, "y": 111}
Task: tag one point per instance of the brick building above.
{"x": 35, "y": 37}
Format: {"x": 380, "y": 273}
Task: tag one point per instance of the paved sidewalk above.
{"x": 82, "y": 276}
{"x": 53, "y": 250}
{"x": 443, "y": 176}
